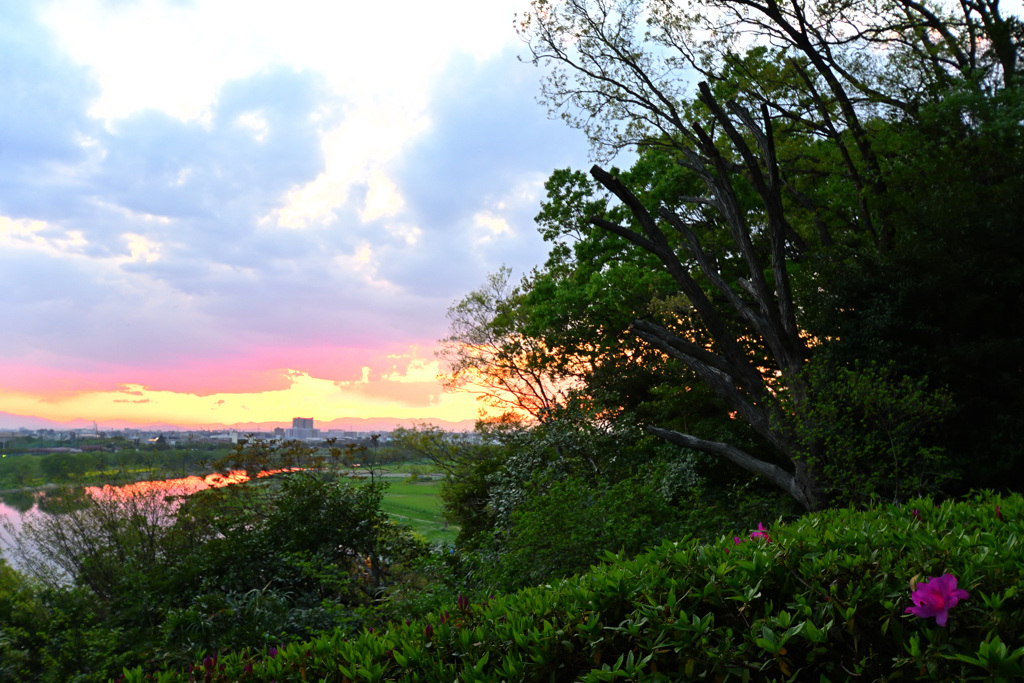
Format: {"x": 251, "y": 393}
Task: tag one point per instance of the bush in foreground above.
{"x": 823, "y": 598}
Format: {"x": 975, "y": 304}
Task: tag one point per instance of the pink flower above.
{"x": 760, "y": 533}
{"x": 935, "y": 597}
{"x": 737, "y": 540}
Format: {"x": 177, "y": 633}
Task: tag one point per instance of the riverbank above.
{"x": 412, "y": 497}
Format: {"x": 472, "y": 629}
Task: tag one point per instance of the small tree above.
{"x": 487, "y": 354}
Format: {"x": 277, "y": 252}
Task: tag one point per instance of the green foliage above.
{"x": 97, "y": 468}
{"x": 945, "y": 301}
{"x": 22, "y": 617}
{"x": 157, "y": 580}
{"x": 20, "y": 500}
{"x": 565, "y": 525}
{"x": 874, "y": 433}
{"x": 824, "y": 599}
{"x": 18, "y": 470}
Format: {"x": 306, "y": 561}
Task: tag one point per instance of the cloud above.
{"x": 196, "y": 198}
{"x": 45, "y": 137}
{"x": 305, "y": 395}
{"x": 475, "y": 183}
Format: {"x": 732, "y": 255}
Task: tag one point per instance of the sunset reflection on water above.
{"x": 157, "y": 500}
{"x": 184, "y": 486}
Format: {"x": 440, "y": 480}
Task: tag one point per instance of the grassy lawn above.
{"x": 408, "y": 467}
{"x": 417, "y": 505}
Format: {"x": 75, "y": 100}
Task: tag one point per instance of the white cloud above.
{"x": 175, "y": 57}
{"x": 140, "y": 248}
{"x": 418, "y": 370}
{"x": 340, "y": 125}
{"x": 39, "y": 236}
{"x": 138, "y": 216}
{"x": 410, "y": 234}
{"x": 182, "y": 177}
{"x": 354, "y": 153}
{"x": 494, "y": 224}
{"x": 382, "y": 198}
{"x": 363, "y": 263}
{"x": 255, "y": 123}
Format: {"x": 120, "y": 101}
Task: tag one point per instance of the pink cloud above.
{"x": 255, "y": 371}
{"x": 54, "y": 382}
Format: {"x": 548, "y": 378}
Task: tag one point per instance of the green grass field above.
{"x": 417, "y": 504}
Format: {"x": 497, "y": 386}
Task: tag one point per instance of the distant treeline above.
{"x": 99, "y": 465}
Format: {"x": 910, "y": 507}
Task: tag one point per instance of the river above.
{"x": 12, "y": 518}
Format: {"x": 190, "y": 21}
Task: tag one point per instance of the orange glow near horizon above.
{"x": 402, "y": 387}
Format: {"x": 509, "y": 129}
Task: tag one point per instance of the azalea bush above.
{"x": 822, "y": 598}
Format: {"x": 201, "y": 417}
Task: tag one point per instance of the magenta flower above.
{"x": 737, "y": 540}
{"x": 760, "y": 533}
{"x": 935, "y": 597}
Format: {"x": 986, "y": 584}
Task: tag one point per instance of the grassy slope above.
{"x": 417, "y": 504}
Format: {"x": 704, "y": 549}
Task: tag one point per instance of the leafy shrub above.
{"x": 563, "y": 527}
{"x": 823, "y": 599}
{"x": 876, "y": 433}
{"x": 145, "y": 579}
{"x": 21, "y": 618}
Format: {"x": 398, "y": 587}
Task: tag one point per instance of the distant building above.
{"x": 302, "y": 428}
{"x": 342, "y": 434}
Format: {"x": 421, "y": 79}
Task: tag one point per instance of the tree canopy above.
{"x": 804, "y": 174}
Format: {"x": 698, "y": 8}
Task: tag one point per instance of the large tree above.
{"x": 785, "y": 139}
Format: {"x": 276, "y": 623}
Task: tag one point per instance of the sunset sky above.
{"x": 240, "y": 211}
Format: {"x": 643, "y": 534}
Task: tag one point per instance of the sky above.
{"x": 220, "y": 212}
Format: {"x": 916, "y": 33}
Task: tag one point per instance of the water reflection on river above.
{"x": 16, "y": 506}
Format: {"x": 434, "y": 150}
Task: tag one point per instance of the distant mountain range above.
{"x": 354, "y": 424}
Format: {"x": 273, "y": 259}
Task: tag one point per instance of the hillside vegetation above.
{"x": 794, "y": 321}
{"x": 821, "y": 598}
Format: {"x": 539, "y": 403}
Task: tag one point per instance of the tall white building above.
{"x": 302, "y": 428}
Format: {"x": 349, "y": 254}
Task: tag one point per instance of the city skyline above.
{"x": 12, "y": 423}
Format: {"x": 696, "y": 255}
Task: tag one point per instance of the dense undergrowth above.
{"x": 821, "y": 598}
